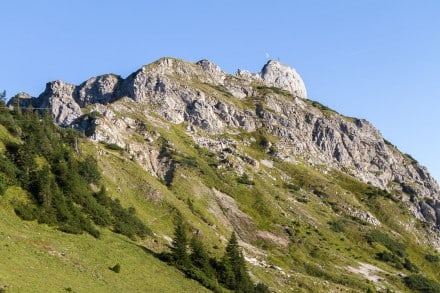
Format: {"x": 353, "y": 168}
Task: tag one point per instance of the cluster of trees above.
{"x": 58, "y": 179}
{"x": 191, "y": 257}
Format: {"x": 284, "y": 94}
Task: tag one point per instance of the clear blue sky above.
{"x": 373, "y": 59}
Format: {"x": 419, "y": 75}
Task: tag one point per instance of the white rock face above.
{"x": 101, "y": 89}
{"x": 59, "y": 98}
{"x": 276, "y": 74}
{"x": 216, "y": 74}
{"x": 282, "y": 76}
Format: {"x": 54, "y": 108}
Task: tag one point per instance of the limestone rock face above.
{"x": 101, "y": 89}
{"x": 282, "y": 76}
{"x": 213, "y": 71}
{"x": 212, "y": 103}
{"x": 59, "y": 98}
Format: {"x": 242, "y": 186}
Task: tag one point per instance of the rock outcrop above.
{"x": 98, "y": 90}
{"x": 213, "y": 102}
{"x": 282, "y": 76}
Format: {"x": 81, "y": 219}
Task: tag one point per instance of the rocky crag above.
{"x": 213, "y": 104}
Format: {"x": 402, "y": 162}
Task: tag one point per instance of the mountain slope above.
{"x": 319, "y": 201}
{"x": 212, "y": 103}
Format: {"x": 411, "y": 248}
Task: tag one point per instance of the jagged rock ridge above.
{"x": 211, "y": 102}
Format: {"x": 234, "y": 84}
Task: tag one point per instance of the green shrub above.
{"x": 292, "y": 187}
{"x": 113, "y": 146}
{"x": 422, "y": 284}
{"x": 116, "y": 268}
{"x": 245, "y": 180}
{"x": 261, "y": 288}
{"x": 382, "y": 238}
{"x": 336, "y": 226}
{"x": 389, "y": 257}
{"x": 126, "y": 222}
{"x": 88, "y": 169}
{"x": 410, "y": 266}
{"x": 202, "y": 278}
{"x": 411, "y": 158}
{"x": 95, "y": 115}
{"x": 189, "y": 161}
{"x": 432, "y": 258}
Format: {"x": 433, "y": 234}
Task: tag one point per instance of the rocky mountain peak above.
{"x": 213, "y": 102}
{"x": 282, "y": 76}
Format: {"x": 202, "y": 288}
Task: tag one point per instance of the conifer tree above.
{"x": 180, "y": 243}
{"x": 235, "y": 273}
{"x": 199, "y": 257}
{"x": 3, "y": 98}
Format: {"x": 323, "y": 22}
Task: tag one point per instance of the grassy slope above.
{"x": 35, "y": 257}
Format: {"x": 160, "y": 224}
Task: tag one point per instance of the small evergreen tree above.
{"x": 235, "y": 275}
{"x": 199, "y": 257}
{"x": 3, "y": 98}
{"x": 180, "y": 243}
{"x": 89, "y": 170}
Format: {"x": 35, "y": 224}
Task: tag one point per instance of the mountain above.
{"x": 319, "y": 201}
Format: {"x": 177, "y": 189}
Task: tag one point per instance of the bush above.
{"x": 382, "y": 238}
{"x": 336, "y": 226}
{"x": 127, "y": 223}
{"x": 422, "y": 284}
{"x": 390, "y": 258}
{"x": 113, "y": 146}
{"x": 95, "y": 115}
{"x": 189, "y": 161}
{"x": 261, "y": 288}
{"x": 432, "y": 258}
{"x": 116, "y": 268}
{"x": 411, "y": 158}
{"x": 200, "y": 276}
{"x": 88, "y": 169}
{"x": 292, "y": 187}
{"x": 410, "y": 266}
{"x": 245, "y": 180}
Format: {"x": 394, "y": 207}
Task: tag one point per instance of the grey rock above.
{"x": 437, "y": 212}
{"x": 213, "y": 71}
{"x": 101, "y": 89}
{"x": 282, "y": 76}
{"x": 428, "y": 212}
{"x": 59, "y": 98}
{"x": 23, "y": 100}
{"x": 247, "y": 75}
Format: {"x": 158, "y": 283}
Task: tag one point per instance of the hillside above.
{"x": 319, "y": 201}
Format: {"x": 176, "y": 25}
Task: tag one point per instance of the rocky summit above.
{"x": 319, "y": 201}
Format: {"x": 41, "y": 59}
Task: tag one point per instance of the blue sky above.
{"x": 372, "y": 59}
